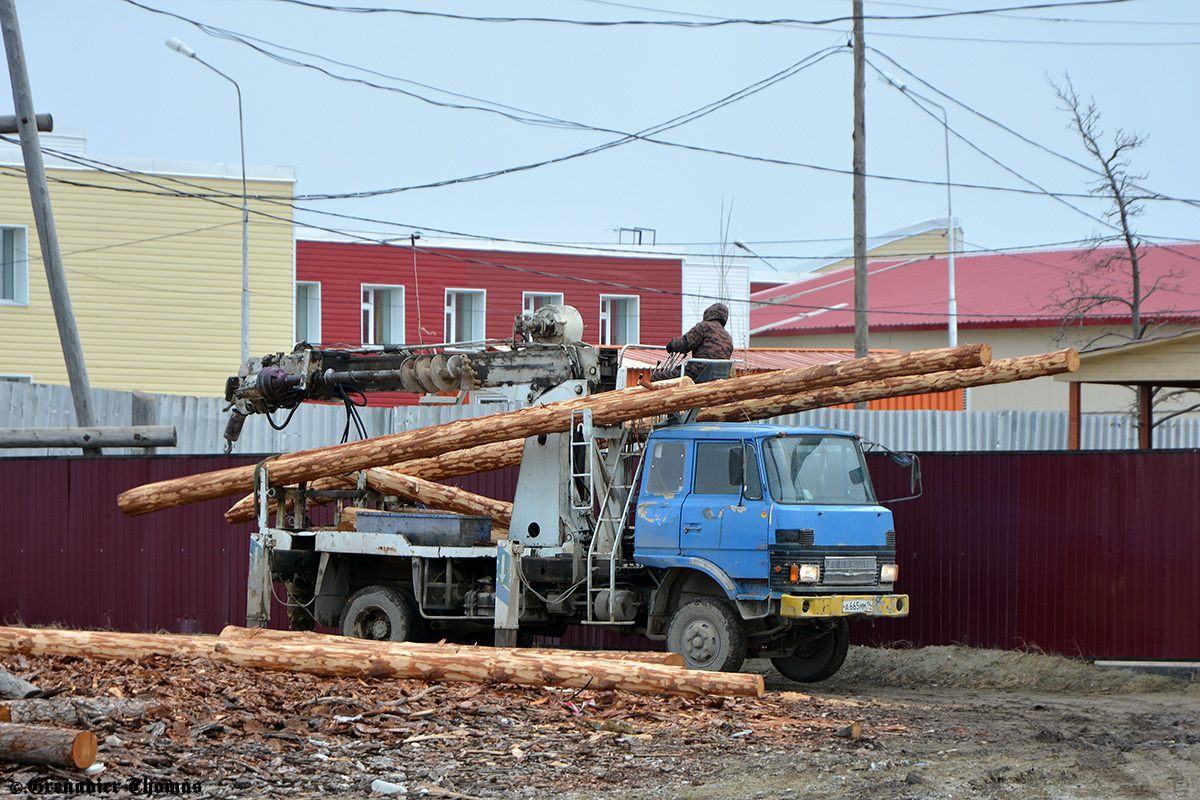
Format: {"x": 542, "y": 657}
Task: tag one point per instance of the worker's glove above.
{"x": 675, "y": 346}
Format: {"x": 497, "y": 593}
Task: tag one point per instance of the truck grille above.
{"x": 840, "y": 567}
{"x": 849, "y": 571}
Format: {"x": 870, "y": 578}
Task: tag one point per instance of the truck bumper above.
{"x": 858, "y": 605}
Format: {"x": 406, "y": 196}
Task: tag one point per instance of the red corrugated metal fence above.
{"x": 1091, "y": 554}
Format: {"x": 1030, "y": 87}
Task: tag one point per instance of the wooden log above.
{"x": 40, "y": 744}
{"x": 101, "y": 436}
{"x": 72, "y": 711}
{"x": 1002, "y": 370}
{"x": 484, "y": 458}
{"x": 851, "y": 731}
{"x": 607, "y": 409}
{"x": 452, "y": 464}
{"x": 646, "y": 656}
{"x": 14, "y": 688}
{"x": 353, "y": 660}
{"x": 101, "y": 645}
{"x": 499, "y": 510}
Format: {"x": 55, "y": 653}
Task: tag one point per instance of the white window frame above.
{"x": 529, "y": 300}
{"x": 14, "y": 266}
{"x": 478, "y": 329}
{"x": 367, "y": 317}
{"x": 312, "y": 312}
{"x": 633, "y": 321}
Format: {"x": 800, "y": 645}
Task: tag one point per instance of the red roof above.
{"x": 1010, "y": 290}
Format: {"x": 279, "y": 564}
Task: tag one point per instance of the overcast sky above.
{"x": 782, "y": 179}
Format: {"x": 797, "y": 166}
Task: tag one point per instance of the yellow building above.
{"x": 152, "y": 252}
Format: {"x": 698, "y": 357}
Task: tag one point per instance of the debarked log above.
{"x": 452, "y": 464}
{"x": 41, "y": 744}
{"x": 307, "y": 465}
{"x": 484, "y": 458}
{"x": 487, "y": 666}
{"x": 297, "y": 637}
{"x": 1002, "y": 370}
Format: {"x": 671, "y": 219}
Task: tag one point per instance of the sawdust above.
{"x": 974, "y": 668}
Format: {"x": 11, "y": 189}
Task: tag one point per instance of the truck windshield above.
{"x": 816, "y": 469}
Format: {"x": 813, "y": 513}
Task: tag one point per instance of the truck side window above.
{"x": 666, "y": 468}
{"x": 752, "y": 478}
{"x": 713, "y": 473}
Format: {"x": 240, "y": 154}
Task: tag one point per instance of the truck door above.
{"x": 715, "y": 492}
{"x": 659, "y": 502}
{"x": 719, "y": 523}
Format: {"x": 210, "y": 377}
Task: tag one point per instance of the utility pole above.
{"x": 39, "y": 196}
{"x": 860, "y": 191}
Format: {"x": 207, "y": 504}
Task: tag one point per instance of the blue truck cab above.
{"x": 766, "y": 539}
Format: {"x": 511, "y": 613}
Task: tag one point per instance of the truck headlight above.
{"x": 809, "y": 573}
{"x": 888, "y": 573}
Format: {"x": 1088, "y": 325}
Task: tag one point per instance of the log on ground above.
{"x": 646, "y": 656}
{"x": 350, "y": 661}
{"x": 73, "y": 711}
{"x": 487, "y": 668}
{"x": 41, "y": 744}
{"x": 307, "y": 465}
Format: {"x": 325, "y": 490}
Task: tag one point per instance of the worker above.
{"x": 707, "y": 339}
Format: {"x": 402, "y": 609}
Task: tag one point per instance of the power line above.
{"x": 712, "y": 23}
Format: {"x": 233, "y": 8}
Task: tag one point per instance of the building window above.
{"x": 619, "y": 319}
{"x": 465, "y": 315}
{"x": 382, "y": 315}
{"x": 308, "y": 312}
{"x": 532, "y": 301}
{"x": 14, "y": 266}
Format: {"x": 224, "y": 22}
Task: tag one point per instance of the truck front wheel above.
{"x": 709, "y": 635}
{"x": 379, "y": 613}
{"x": 819, "y": 658}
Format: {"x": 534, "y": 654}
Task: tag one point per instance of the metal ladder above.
{"x": 616, "y": 494}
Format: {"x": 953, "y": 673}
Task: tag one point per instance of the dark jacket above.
{"x": 707, "y": 339}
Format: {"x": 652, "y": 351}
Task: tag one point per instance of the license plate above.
{"x": 858, "y": 605}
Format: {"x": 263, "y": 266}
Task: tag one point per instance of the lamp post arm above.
{"x": 180, "y": 47}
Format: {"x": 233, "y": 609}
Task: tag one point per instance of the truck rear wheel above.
{"x": 709, "y": 635}
{"x": 818, "y": 659}
{"x": 379, "y": 613}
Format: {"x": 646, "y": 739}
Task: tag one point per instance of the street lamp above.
{"x": 953, "y": 306}
{"x": 180, "y": 47}
{"x": 741, "y": 244}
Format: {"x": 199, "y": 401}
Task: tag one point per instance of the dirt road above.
{"x": 935, "y": 723}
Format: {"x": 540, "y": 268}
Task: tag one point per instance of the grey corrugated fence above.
{"x": 200, "y": 421}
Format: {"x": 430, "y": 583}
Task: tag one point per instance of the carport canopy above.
{"x": 1165, "y": 361}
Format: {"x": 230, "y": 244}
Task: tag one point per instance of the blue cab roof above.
{"x": 742, "y": 430}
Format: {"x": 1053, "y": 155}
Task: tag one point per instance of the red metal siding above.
{"x": 1089, "y": 554}
{"x": 341, "y": 268}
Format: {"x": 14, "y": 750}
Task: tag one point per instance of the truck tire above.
{"x": 709, "y": 635}
{"x": 379, "y": 613}
{"x": 819, "y": 659}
